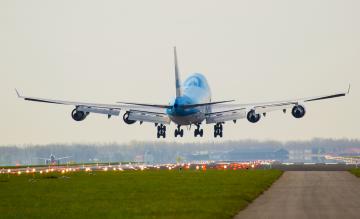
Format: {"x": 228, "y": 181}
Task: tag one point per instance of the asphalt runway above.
{"x": 308, "y": 194}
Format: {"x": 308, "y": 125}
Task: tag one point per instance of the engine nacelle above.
{"x": 127, "y": 120}
{"x": 253, "y": 117}
{"x": 298, "y": 111}
{"x": 79, "y": 115}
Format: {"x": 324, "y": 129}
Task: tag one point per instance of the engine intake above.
{"x": 127, "y": 120}
{"x": 253, "y": 117}
{"x": 79, "y": 115}
{"x": 298, "y": 111}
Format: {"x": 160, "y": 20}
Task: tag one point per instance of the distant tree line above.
{"x": 162, "y": 152}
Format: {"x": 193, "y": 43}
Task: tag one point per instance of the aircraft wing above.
{"x": 228, "y": 112}
{"x": 40, "y": 158}
{"x": 139, "y": 112}
{"x": 61, "y": 158}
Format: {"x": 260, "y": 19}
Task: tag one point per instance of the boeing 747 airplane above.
{"x": 192, "y": 105}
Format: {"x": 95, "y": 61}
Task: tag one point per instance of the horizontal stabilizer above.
{"x": 149, "y": 105}
{"x": 204, "y": 104}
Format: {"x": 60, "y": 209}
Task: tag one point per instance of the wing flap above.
{"x": 270, "y": 108}
{"x": 110, "y": 112}
{"x": 151, "y": 117}
{"x": 223, "y": 116}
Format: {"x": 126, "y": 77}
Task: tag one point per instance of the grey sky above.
{"x": 107, "y": 51}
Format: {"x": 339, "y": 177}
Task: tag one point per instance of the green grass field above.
{"x": 132, "y": 194}
{"x": 356, "y": 172}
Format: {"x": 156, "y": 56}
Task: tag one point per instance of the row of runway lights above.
{"x": 202, "y": 167}
{"x": 109, "y": 168}
{"x": 63, "y": 171}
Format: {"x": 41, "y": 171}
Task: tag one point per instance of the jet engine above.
{"x": 298, "y": 111}
{"x": 253, "y": 117}
{"x": 79, "y": 115}
{"x": 127, "y": 120}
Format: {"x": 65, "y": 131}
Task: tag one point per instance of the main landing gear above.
{"x": 198, "y": 131}
{"x": 218, "y": 130}
{"x": 179, "y": 131}
{"x": 161, "y": 131}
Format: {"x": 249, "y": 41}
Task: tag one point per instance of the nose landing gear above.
{"x": 179, "y": 131}
{"x": 218, "y": 130}
{"x": 198, "y": 131}
{"x": 161, "y": 131}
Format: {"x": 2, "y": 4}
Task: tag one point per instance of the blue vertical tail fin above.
{"x": 177, "y": 77}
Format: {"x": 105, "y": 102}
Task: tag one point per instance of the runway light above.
{"x": 121, "y": 169}
{"x": 252, "y": 166}
{"x": 27, "y": 171}
{"x": 46, "y": 170}
{"x": 197, "y": 167}
{"x": 204, "y": 167}
{"x": 19, "y": 172}
{"x": 114, "y": 169}
{"x": 62, "y": 171}
{"x": 9, "y": 171}
{"x": 87, "y": 169}
{"x": 105, "y": 169}
{"x": 33, "y": 170}
{"x": 41, "y": 172}
{"x": 225, "y": 167}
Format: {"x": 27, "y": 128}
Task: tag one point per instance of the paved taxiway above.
{"x": 308, "y": 194}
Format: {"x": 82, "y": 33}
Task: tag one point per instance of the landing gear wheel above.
{"x": 198, "y": 131}
{"x": 161, "y": 131}
{"x": 179, "y": 131}
{"x": 218, "y": 130}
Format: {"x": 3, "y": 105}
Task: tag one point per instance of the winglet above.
{"x": 17, "y": 93}
{"x": 348, "y": 89}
